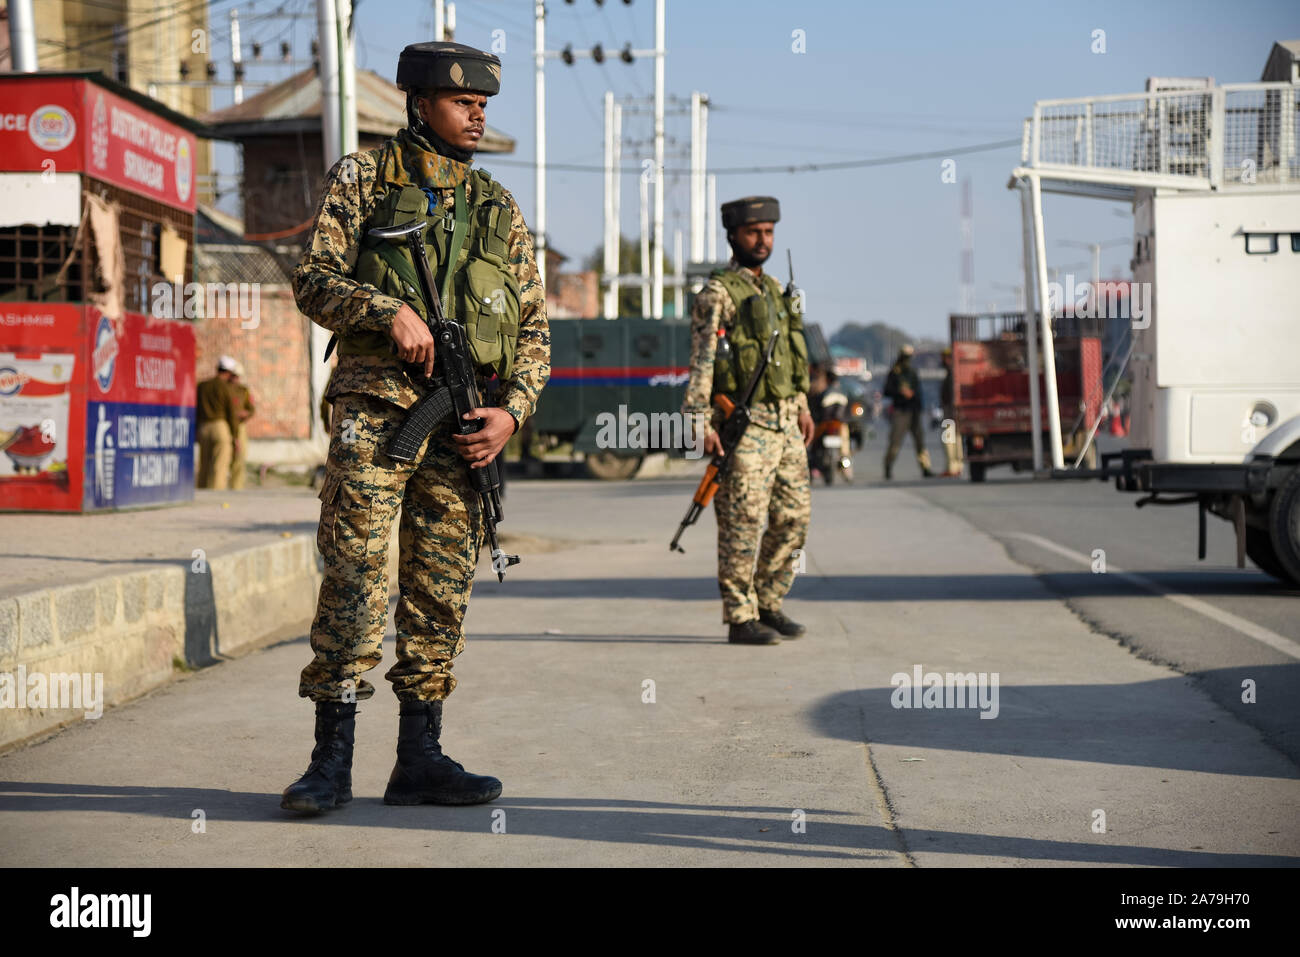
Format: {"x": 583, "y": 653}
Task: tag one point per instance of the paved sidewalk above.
{"x": 41, "y": 549}
{"x": 739, "y": 746}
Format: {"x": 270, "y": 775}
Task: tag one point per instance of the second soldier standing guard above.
{"x": 768, "y": 479}
{"x": 481, "y": 254}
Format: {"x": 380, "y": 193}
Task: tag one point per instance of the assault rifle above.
{"x": 454, "y": 391}
{"x": 732, "y": 431}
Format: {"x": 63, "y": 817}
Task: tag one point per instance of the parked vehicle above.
{"x": 990, "y": 368}
{"x": 1212, "y": 177}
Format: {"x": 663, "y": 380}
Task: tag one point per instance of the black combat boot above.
{"x": 781, "y": 624}
{"x": 423, "y": 774}
{"x": 752, "y": 633}
{"x": 889, "y": 470}
{"x": 327, "y": 783}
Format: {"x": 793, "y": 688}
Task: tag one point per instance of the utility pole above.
{"x": 338, "y": 116}
{"x": 657, "y": 245}
{"x": 679, "y": 271}
{"x": 1095, "y": 248}
{"x": 235, "y": 55}
{"x": 330, "y": 114}
{"x": 22, "y": 36}
{"x": 347, "y": 78}
{"x": 711, "y": 217}
{"x": 967, "y": 250}
{"x": 645, "y": 247}
{"x": 598, "y": 54}
{"x": 699, "y": 164}
{"x": 613, "y": 221}
{"x": 539, "y": 88}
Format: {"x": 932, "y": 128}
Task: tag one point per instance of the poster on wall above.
{"x": 42, "y": 398}
{"x": 139, "y": 412}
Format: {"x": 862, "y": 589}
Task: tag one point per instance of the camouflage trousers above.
{"x": 767, "y": 481}
{"x": 439, "y": 535}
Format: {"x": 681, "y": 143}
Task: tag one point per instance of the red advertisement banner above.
{"x": 42, "y": 405}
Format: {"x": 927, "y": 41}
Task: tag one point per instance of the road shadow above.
{"x": 1151, "y": 724}
{"x": 706, "y": 827}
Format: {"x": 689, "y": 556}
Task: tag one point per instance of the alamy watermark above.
{"x": 56, "y": 691}
{"x": 639, "y": 431}
{"x": 76, "y": 909}
{"x": 1088, "y": 302}
{"x": 950, "y": 690}
{"x": 208, "y": 300}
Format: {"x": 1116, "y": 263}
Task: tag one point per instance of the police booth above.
{"x": 97, "y": 201}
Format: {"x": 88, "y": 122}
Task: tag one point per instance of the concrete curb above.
{"x": 134, "y": 629}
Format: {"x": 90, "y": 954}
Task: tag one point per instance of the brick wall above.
{"x": 275, "y": 360}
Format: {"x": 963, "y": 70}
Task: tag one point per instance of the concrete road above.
{"x": 598, "y": 685}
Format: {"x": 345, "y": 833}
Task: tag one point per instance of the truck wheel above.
{"x": 1284, "y": 525}
{"x": 609, "y": 467}
{"x": 977, "y": 471}
{"x": 1259, "y": 549}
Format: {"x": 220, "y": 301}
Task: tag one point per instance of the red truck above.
{"x": 991, "y": 407}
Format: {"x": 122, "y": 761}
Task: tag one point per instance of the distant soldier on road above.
{"x": 903, "y": 386}
{"x": 481, "y": 255}
{"x": 768, "y": 479}
{"x": 218, "y": 425}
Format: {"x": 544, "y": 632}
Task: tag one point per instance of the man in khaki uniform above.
{"x": 244, "y": 409}
{"x": 218, "y": 423}
{"x": 768, "y": 480}
{"x": 481, "y": 256}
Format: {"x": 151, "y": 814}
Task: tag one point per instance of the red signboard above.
{"x": 70, "y": 125}
{"x": 94, "y": 414}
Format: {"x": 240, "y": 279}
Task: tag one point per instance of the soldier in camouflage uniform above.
{"x": 768, "y": 478}
{"x": 345, "y": 284}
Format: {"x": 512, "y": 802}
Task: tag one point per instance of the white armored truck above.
{"x": 1212, "y": 174}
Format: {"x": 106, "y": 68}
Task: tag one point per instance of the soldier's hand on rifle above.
{"x": 806, "y": 427}
{"x": 413, "y": 339}
{"x": 712, "y": 443}
{"x": 481, "y": 447}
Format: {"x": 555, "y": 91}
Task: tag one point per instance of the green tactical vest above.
{"x": 482, "y": 293}
{"x": 757, "y": 314}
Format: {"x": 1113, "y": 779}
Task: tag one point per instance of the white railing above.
{"x": 1243, "y": 134}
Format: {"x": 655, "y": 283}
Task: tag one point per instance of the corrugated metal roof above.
{"x": 294, "y": 104}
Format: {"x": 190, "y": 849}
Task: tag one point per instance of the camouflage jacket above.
{"x": 713, "y": 308}
{"x": 327, "y": 293}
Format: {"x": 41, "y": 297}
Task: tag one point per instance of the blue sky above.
{"x": 877, "y": 79}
